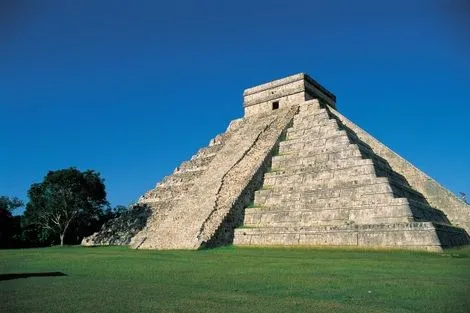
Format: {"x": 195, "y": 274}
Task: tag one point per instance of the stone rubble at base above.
{"x": 294, "y": 171}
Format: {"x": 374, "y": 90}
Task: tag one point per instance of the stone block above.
{"x": 285, "y": 92}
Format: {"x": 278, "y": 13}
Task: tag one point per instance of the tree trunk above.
{"x": 62, "y": 235}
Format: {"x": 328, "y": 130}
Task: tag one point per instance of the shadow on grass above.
{"x": 26, "y": 275}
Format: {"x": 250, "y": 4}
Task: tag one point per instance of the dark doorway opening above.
{"x": 275, "y": 105}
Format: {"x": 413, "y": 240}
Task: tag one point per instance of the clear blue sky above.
{"x": 132, "y": 88}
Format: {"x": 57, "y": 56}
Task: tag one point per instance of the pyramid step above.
{"x": 314, "y": 133}
{"x": 385, "y": 171}
{"x": 266, "y": 195}
{"x": 180, "y": 177}
{"x": 368, "y": 153}
{"x": 210, "y": 150}
{"x": 312, "y": 113}
{"x": 310, "y": 116}
{"x": 166, "y": 192}
{"x": 309, "y": 176}
{"x": 382, "y": 166}
{"x": 333, "y": 203}
{"x": 157, "y": 201}
{"x": 318, "y": 154}
{"x": 362, "y": 212}
{"x": 329, "y": 198}
{"x": 196, "y": 163}
{"x": 292, "y": 183}
{"x": 318, "y": 120}
{"x": 380, "y": 213}
{"x": 404, "y": 191}
{"x": 320, "y": 130}
{"x": 311, "y": 139}
{"x": 309, "y": 106}
{"x": 220, "y": 139}
{"x": 303, "y": 123}
{"x": 289, "y": 164}
{"x": 295, "y": 218}
{"x": 362, "y": 215}
{"x": 328, "y": 165}
{"x": 413, "y": 235}
{"x": 339, "y": 138}
{"x": 424, "y": 212}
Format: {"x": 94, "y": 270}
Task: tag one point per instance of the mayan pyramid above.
{"x": 293, "y": 171}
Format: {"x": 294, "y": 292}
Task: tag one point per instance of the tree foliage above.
{"x": 9, "y": 204}
{"x": 9, "y": 224}
{"x": 64, "y": 200}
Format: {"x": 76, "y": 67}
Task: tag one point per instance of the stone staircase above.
{"x": 202, "y": 202}
{"x": 157, "y": 203}
{"x": 312, "y": 177}
{"x": 327, "y": 187}
{"x": 174, "y": 186}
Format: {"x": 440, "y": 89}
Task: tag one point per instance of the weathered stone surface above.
{"x": 195, "y": 220}
{"x": 285, "y": 92}
{"x": 120, "y": 230}
{"x": 310, "y": 177}
{"x": 328, "y": 186}
{"x": 413, "y": 235}
{"x": 456, "y": 210}
{"x": 158, "y": 201}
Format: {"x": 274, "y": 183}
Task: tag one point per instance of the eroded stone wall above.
{"x": 327, "y": 186}
{"x": 456, "y": 210}
{"x": 120, "y": 230}
{"x": 329, "y": 183}
{"x": 285, "y": 92}
{"x": 219, "y": 192}
{"x": 157, "y": 203}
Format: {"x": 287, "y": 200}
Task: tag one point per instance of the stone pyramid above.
{"x": 294, "y": 171}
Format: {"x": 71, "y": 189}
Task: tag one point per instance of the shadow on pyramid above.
{"x": 293, "y": 172}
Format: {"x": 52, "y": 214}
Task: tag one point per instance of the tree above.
{"x": 64, "y": 198}
{"x": 9, "y": 204}
{"x": 8, "y": 223}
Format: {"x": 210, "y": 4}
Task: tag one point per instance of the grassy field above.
{"x": 114, "y": 279}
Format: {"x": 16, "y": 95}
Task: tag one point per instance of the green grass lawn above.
{"x": 115, "y": 279}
